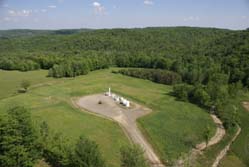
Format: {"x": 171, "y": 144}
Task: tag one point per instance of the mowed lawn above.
{"x": 10, "y": 81}
{"x": 172, "y": 128}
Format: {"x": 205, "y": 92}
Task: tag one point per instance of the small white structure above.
{"x": 125, "y": 102}
{"x": 109, "y": 92}
{"x": 118, "y": 99}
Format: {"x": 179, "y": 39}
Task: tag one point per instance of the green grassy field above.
{"x": 10, "y": 80}
{"x": 172, "y": 128}
{"x": 232, "y": 160}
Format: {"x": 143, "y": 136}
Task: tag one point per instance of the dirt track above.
{"x": 125, "y": 117}
{"x": 220, "y": 132}
{"x": 223, "y": 152}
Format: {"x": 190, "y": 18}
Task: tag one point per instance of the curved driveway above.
{"x": 125, "y": 117}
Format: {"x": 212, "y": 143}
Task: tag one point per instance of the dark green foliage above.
{"x": 200, "y": 96}
{"x": 235, "y": 88}
{"x": 194, "y": 53}
{"x": 207, "y": 134}
{"x": 55, "y": 149}
{"x": 58, "y": 152}
{"x": 155, "y": 75}
{"x": 18, "y": 64}
{"x": 86, "y": 154}
{"x": 71, "y": 69}
{"x": 182, "y": 91}
{"x": 132, "y": 156}
{"x": 18, "y": 139}
{"x": 230, "y": 116}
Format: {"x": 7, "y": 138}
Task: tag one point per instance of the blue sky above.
{"x": 62, "y": 14}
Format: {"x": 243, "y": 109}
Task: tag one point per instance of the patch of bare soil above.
{"x": 105, "y": 106}
{"x": 246, "y": 105}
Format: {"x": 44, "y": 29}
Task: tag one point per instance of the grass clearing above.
{"x": 172, "y": 128}
{"x": 10, "y": 80}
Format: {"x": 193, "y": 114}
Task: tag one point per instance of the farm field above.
{"x": 173, "y": 128}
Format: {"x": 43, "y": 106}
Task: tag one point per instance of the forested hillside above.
{"x": 208, "y": 67}
{"x": 26, "y": 32}
{"x": 192, "y": 52}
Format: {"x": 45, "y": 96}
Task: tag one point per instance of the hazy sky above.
{"x": 60, "y": 14}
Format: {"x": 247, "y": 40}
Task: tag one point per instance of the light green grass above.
{"x": 171, "y": 127}
{"x": 232, "y": 161}
{"x": 52, "y": 104}
{"x": 10, "y": 81}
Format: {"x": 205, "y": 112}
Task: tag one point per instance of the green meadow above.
{"x": 173, "y": 128}
{"x": 10, "y": 80}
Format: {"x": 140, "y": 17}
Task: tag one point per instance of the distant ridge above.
{"x": 29, "y": 32}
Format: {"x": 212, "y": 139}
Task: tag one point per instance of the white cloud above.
{"x": 96, "y": 4}
{"x": 26, "y": 12}
{"x": 148, "y": 2}
{"x": 44, "y": 10}
{"x": 52, "y": 6}
{"x": 12, "y": 12}
{"x": 98, "y": 8}
{"x": 192, "y": 18}
{"x": 22, "y": 13}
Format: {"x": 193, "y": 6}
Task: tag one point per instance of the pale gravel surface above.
{"x": 126, "y": 119}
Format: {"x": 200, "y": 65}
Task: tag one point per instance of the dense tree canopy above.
{"x": 194, "y": 53}
{"x": 132, "y": 156}
{"x": 18, "y": 139}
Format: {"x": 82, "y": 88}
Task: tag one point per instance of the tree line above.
{"x": 155, "y": 75}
